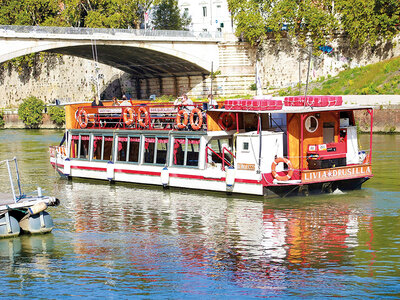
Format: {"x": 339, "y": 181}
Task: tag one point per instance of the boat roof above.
{"x": 300, "y": 109}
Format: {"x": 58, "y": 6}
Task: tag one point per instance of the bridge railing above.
{"x": 110, "y": 31}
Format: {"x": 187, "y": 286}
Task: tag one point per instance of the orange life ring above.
{"x": 226, "y": 121}
{"x": 196, "y": 126}
{"x": 143, "y": 122}
{"x": 129, "y": 116}
{"x": 83, "y": 118}
{"x": 290, "y": 169}
{"x": 181, "y": 123}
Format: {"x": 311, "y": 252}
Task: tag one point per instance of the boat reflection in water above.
{"x": 249, "y": 241}
{"x": 28, "y": 254}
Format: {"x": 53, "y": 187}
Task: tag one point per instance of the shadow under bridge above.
{"x": 141, "y": 63}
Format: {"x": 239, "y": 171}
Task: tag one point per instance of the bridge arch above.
{"x": 194, "y": 52}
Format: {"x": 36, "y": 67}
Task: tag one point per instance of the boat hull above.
{"x": 215, "y": 180}
{"x": 317, "y": 187}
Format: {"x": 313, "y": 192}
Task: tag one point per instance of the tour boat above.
{"x": 262, "y": 146}
{"x": 20, "y": 213}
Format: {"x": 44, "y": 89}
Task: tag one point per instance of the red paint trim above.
{"x": 89, "y": 168}
{"x": 187, "y": 176}
{"x": 251, "y": 181}
{"x": 58, "y": 165}
{"x": 137, "y": 172}
{"x": 151, "y": 173}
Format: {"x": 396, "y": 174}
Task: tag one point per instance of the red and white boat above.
{"x": 276, "y": 146}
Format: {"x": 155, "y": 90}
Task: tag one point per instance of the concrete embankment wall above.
{"x": 12, "y": 121}
{"x": 280, "y": 64}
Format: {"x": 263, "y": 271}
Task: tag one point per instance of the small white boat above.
{"x": 20, "y": 213}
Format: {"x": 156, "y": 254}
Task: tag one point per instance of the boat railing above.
{"x": 54, "y": 150}
{"x": 142, "y": 116}
{"x": 222, "y": 157}
{"x": 8, "y": 163}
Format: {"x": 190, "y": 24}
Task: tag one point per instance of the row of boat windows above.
{"x": 185, "y": 151}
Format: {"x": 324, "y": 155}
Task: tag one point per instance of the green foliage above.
{"x": 27, "y": 12}
{"x": 364, "y": 21}
{"x": 253, "y": 87}
{"x": 2, "y": 122}
{"x": 57, "y": 114}
{"x": 382, "y": 78}
{"x": 165, "y": 98}
{"x": 75, "y": 13}
{"x": 166, "y": 15}
{"x": 30, "y": 112}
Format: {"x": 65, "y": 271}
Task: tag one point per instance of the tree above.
{"x": 57, "y": 115}
{"x": 166, "y": 15}
{"x": 27, "y": 12}
{"x": 30, "y": 112}
{"x": 364, "y": 21}
{"x": 105, "y": 13}
{"x": 2, "y": 122}
{"x": 75, "y": 13}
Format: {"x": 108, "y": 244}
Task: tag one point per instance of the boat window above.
{"x": 128, "y": 149}
{"x": 328, "y": 132}
{"x": 347, "y": 116}
{"x": 80, "y": 146}
{"x": 134, "y": 144}
{"x": 107, "y": 149}
{"x": 311, "y": 124}
{"x": 122, "y": 148}
{"x": 155, "y": 150}
{"x": 149, "y": 146}
{"x": 161, "y": 156}
{"x": 74, "y": 146}
{"x": 102, "y": 147}
{"x": 186, "y": 151}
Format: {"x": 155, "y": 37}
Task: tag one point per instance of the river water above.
{"x": 124, "y": 240}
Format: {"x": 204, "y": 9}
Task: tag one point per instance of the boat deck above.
{"x": 6, "y": 199}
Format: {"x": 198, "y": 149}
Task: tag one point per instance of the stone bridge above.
{"x": 142, "y": 53}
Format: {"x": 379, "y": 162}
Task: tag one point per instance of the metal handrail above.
{"x": 222, "y": 158}
{"x": 7, "y": 162}
{"x": 157, "y": 119}
{"x": 111, "y": 31}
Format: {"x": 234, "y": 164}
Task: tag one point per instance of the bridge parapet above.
{"x": 107, "y": 33}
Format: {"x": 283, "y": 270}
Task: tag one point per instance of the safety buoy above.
{"x": 196, "y": 125}
{"x": 181, "y": 123}
{"x": 143, "y": 122}
{"x": 290, "y": 169}
{"x": 129, "y": 116}
{"x": 226, "y": 121}
{"x": 83, "y": 118}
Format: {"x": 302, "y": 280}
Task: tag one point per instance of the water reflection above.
{"x": 31, "y": 255}
{"x": 255, "y": 242}
{"x": 127, "y": 240}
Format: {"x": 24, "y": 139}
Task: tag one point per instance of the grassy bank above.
{"x": 382, "y": 78}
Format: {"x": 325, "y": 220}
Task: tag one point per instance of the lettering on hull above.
{"x": 310, "y": 176}
{"x": 249, "y": 167}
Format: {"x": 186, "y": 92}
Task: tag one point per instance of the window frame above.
{"x": 171, "y": 162}
{"x": 128, "y": 145}
{"x": 156, "y": 137}
{"x": 103, "y": 136}
{"x": 78, "y": 150}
